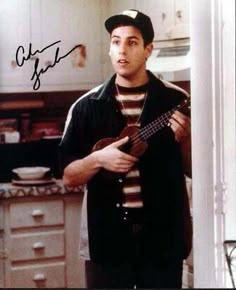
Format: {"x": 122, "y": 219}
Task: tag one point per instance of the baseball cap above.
{"x": 135, "y": 18}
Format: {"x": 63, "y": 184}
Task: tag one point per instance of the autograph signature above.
{"x": 22, "y": 57}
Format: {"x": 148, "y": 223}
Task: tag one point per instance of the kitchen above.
{"x": 39, "y": 113}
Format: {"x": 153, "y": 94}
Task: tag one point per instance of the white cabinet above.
{"x": 39, "y": 238}
{"x": 71, "y": 22}
{"x": 14, "y": 31}
{"x": 161, "y": 14}
{"x": 170, "y": 18}
{"x": 66, "y": 23}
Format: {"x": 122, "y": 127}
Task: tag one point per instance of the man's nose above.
{"x": 122, "y": 48}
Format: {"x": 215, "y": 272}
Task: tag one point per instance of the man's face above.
{"x": 127, "y": 51}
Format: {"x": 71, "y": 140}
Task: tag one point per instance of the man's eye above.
{"x": 116, "y": 42}
{"x": 132, "y": 42}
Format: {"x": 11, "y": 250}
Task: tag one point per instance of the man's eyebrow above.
{"x": 129, "y": 37}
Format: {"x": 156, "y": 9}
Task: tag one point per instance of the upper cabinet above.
{"x": 50, "y": 45}
{"x": 15, "y": 30}
{"x": 75, "y": 25}
{"x": 170, "y": 18}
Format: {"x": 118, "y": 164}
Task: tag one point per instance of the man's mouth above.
{"x": 122, "y": 61}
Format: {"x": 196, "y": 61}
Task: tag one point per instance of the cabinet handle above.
{"x": 37, "y": 213}
{"x": 39, "y": 277}
{"x": 163, "y": 16}
{"x": 179, "y": 14}
{"x": 38, "y": 246}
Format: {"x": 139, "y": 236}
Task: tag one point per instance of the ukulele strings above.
{"x": 150, "y": 129}
{"x": 154, "y": 126}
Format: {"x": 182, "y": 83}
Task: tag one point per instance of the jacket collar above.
{"x": 104, "y": 93}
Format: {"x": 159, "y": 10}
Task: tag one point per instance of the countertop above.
{"x": 10, "y": 190}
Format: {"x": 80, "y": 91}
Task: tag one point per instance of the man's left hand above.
{"x": 181, "y": 126}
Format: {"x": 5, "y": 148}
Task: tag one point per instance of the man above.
{"x": 135, "y": 218}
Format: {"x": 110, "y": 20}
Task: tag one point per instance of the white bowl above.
{"x": 31, "y": 173}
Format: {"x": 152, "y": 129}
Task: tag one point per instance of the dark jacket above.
{"x": 97, "y": 116}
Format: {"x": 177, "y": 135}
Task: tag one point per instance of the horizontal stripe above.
{"x": 131, "y": 189}
{"x": 130, "y": 98}
{"x": 135, "y": 111}
{"x": 133, "y": 173}
{"x": 137, "y": 204}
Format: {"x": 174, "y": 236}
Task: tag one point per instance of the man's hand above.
{"x": 112, "y": 159}
{"x": 181, "y": 126}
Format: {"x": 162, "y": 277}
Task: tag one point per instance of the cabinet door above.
{"x": 64, "y": 23}
{"x": 182, "y": 27}
{"x": 161, "y": 13}
{"x": 14, "y": 32}
{"x": 182, "y": 12}
{"x": 170, "y": 18}
{"x": 116, "y": 7}
{"x": 71, "y": 22}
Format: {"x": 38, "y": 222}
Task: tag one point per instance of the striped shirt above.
{"x": 131, "y": 102}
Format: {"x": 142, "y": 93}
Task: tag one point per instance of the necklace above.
{"x": 135, "y": 104}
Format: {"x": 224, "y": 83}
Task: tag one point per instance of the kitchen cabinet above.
{"x": 39, "y": 238}
{"x": 42, "y": 23}
{"x": 14, "y": 31}
{"x": 170, "y": 18}
{"x": 72, "y": 22}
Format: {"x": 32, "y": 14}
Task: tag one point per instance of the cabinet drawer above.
{"x": 38, "y": 277}
{"x": 37, "y": 246}
{"x": 33, "y": 214}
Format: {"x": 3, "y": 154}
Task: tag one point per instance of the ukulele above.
{"x": 138, "y": 137}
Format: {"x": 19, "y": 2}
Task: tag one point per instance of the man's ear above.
{"x": 149, "y": 49}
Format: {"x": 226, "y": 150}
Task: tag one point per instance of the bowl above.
{"x": 31, "y": 173}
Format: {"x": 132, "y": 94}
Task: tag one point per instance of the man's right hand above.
{"x": 112, "y": 159}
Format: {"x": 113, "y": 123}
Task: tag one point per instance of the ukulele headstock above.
{"x": 185, "y": 107}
